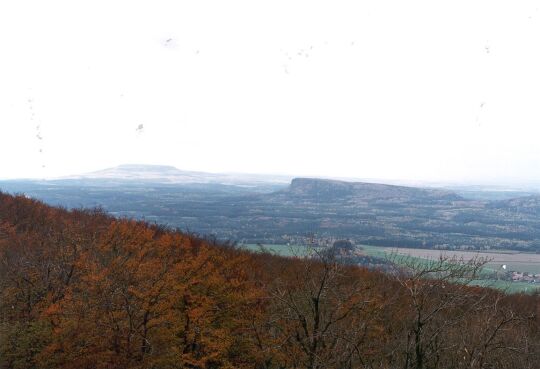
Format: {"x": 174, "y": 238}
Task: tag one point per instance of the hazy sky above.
{"x": 425, "y": 90}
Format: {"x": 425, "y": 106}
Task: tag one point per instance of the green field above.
{"x": 510, "y": 287}
{"x": 522, "y": 262}
{"x": 514, "y": 260}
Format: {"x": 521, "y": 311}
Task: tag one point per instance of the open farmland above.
{"x": 514, "y": 261}
{"x": 523, "y": 262}
{"x": 518, "y": 261}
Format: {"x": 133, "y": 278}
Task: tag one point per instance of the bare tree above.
{"x": 442, "y": 303}
{"x": 438, "y": 297}
{"x": 321, "y": 313}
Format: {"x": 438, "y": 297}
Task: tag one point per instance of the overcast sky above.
{"x": 422, "y": 90}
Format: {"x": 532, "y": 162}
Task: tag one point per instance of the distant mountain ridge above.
{"x": 141, "y": 174}
{"x": 315, "y": 187}
{"x": 172, "y": 175}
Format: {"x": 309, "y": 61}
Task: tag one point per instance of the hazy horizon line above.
{"x": 496, "y": 182}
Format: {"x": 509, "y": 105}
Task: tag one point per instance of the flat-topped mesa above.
{"x": 146, "y": 167}
{"x": 137, "y": 170}
{"x": 168, "y": 174}
{"x": 314, "y": 187}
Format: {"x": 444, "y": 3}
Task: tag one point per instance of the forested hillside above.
{"x": 81, "y": 289}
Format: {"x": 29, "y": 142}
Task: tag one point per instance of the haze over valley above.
{"x": 284, "y": 210}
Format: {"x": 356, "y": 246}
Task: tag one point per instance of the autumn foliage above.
{"x": 80, "y": 289}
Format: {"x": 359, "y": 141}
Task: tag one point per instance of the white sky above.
{"x": 422, "y": 90}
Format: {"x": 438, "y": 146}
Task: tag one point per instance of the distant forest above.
{"x": 82, "y": 289}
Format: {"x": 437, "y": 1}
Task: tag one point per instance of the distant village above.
{"x": 525, "y": 277}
